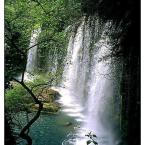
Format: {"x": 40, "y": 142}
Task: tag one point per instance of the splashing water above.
{"x": 88, "y": 85}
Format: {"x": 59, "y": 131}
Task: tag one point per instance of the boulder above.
{"x": 47, "y": 107}
{"x": 48, "y": 95}
{"x": 68, "y": 124}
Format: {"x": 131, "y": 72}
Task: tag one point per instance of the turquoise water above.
{"x": 50, "y": 129}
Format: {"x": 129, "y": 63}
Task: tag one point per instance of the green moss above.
{"x": 47, "y": 107}
{"x": 18, "y": 99}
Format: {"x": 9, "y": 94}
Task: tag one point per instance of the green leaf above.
{"x": 94, "y": 135}
{"x": 88, "y": 142}
{"x": 87, "y": 135}
{"x": 95, "y": 142}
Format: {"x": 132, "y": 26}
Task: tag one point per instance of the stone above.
{"x": 68, "y": 124}
{"x": 49, "y": 95}
{"x": 47, "y": 107}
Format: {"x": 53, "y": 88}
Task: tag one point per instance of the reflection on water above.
{"x": 49, "y": 129}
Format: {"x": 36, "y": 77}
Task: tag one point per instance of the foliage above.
{"x": 9, "y": 138}
{"x": 39, "y": 79}
{"x": 24, "y": 16}
{"x": 53, "y": 16}
{"x": 17, "y": 34}
{"x": 18, "y": 95}
{"x": 16, "y": 98}
{"x": 92, "y": 138}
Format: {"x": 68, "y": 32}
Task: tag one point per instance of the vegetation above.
{"x": 18, "y": 95}
{"x": 22, "y": 17}
{"x": 92, "y": 138}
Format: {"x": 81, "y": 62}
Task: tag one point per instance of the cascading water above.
{"x": 32, "y": 55}
{"x": 31, "y": 65}
{"x": 88, "y": 82}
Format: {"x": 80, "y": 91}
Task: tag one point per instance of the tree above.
{"x": 21, "y": 18}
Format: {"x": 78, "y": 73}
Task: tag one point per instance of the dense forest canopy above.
{"x": 22, "y": 17}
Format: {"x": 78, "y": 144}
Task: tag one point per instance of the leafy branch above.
{"x": 25, "y": 129}
{"x": 91, "y": 138}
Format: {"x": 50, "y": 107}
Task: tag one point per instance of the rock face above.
{"x": 68, "y": 124}
{"x": 47, "y": 107}
{"x": 48, "y": 97}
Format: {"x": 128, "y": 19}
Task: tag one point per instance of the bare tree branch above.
{"x": 25, "y": 130}
{"x": 23, "y": 133}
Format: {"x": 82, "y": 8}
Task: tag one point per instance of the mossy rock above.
{"x": 49, "y": 95}
{"x": 47, "y": 107}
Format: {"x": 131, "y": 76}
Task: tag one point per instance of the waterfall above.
{"x": 31, "y": 66}
{"x": 32, "y": 52}
{"x": 91, "y": 81}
